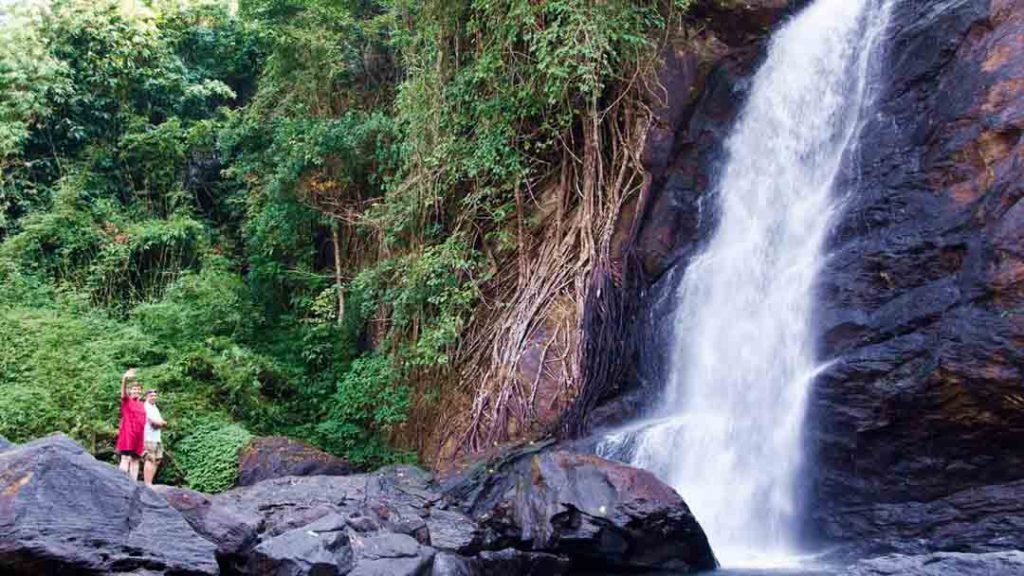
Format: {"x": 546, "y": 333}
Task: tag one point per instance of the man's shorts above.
{"x": 154, "y": 451}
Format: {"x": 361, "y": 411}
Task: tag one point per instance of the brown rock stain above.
{"x": 965, "y": 192}
{"x": 998, "y": 57}
{"x": 1007, "y": 279}
{"x": 1003, "y": 10}
{"x": 536, "y": 475}
{"x": 1014, "y": 402}
{"x": 974, "y": 167}
{"x": 995, "y": 146}
{"x": 1002, "y": 94}
{"x": 544, "y": 370}
{"x": 12, "y": 488}
{"x": 958, "y": 405}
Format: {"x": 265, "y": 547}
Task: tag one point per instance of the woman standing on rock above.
{"x": 130, "y": 439}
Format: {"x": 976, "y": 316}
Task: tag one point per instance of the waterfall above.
{"x": 727, "y": 433}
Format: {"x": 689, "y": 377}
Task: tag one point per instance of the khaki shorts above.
{"x": 154, "y": 451}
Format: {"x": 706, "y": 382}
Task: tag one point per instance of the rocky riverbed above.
{"x": 530, "y": 512}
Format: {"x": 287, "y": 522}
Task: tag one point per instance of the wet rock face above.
{"x": 941, "y": 564}
{"x": 599, "y": 514}
{"x": 694, "y": 99}
{"x": 507, "y": 562}
{"x": 277, "y": 456}
{"x": 680, "y": 213}
{"x": 987, "y": 518}
{"x": 693, "y": 112}
{"x": 62, "y": 512}
{"x": 917, "y": 427}
{"x": 233, "y": 531}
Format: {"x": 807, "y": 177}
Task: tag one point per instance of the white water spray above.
{"x": 728, "y": 434}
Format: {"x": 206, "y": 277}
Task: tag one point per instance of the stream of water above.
{"x": 727, "y": 431}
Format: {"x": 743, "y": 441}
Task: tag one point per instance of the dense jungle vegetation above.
{"x": 333, "y": 220}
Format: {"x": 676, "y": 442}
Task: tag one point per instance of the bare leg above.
{"x": 133, "y": 469}
{"x": 125, "y": 464}
{"x": 149, "y": 471}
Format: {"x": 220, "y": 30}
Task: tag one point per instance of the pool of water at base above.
{"x": 804, "y": 565}
{"x": 800, "y": 571}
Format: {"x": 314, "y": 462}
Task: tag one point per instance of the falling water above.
{"x": 728, "y": 435}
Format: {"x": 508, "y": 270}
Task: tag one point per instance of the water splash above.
{"x": 728, "y": 434}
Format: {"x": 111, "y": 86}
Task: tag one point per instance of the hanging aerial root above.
{"x": 560, "y": 305}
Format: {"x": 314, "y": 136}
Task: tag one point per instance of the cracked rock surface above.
{"x": 530, "y": 512}
{"x": 62, "y": 512}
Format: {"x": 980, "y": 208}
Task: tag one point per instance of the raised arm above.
{"x": 130, "y": 373}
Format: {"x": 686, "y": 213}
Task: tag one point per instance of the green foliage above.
{"x": 61, "y": 361}
{"x": 210, "y": 303}
{"x": 28, "y": 74}
{"x": 208, "y": 457}
{"x": 324, "y": 57}
{"x": 58, "y": 243}
{"x": 59, "y": 371}
{"x": 212, "y": 43}
{"x": 90, "y": 90}
{"x": 175, "y": 182}
{"x": 118, "y": 265}
{"x": 433, "y": 291}
{"x": 489, "y": 119}
{"x": 143, "y": 258}
{"x": 368, "y": 403}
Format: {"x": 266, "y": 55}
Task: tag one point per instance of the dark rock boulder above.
{"x": 388, "y": 554}
{"x": 507, "y": 562}
{"x": 1004, "y": 563}
{"x": 599, "y": 514}
{"x": 983, "y": 519}
{"x": 231, "y": 530}
{"x": 388, "y": 522}
{"x": 449, "y": 530}
{"x": 918, "y": 422}
{"x": 63, "y": 512}
{"x": 321, "y": 548}
{"x": 398, "y": 499}
{"x": 5, "y": 444}
{"x": 391, "y": 522}
{"x": 277, "y": 456}
{"x": 580, "y": 512}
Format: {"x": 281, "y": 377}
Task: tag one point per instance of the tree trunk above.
{"x": 337, "y": 272}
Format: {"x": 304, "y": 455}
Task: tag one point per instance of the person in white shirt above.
{"x": 154, "y": 447}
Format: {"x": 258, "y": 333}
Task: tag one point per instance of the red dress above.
{"x": 133, "y": 423}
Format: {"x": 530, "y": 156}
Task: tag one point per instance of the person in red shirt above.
{"x": 130, "y": 439}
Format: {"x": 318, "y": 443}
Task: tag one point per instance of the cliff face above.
{"x": 917, "y": 428}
